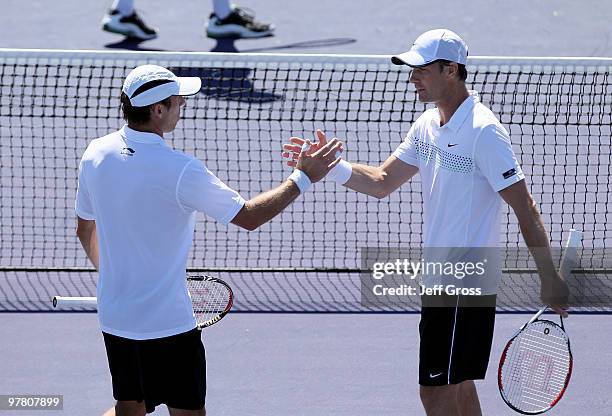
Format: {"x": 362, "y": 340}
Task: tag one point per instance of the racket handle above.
{"x": 537, "y": 315}
{"x": 569, "y": 257}
{"x": 562, "y": 326}
{"x": 574, "y": 238}
{"x": 74, "y": 301}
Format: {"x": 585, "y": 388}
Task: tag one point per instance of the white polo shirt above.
{"x": 143, "y": 196}
{"x": 463, "y": 165}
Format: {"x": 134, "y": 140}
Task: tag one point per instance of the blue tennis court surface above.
{"x": 302, "y": 364}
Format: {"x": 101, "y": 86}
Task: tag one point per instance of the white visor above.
{"x": 162, "y": 83}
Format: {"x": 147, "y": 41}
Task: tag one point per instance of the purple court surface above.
{"x": 303, "y": 364}
{"x": 279, "y": 364}
{"x": 490, "y": 27}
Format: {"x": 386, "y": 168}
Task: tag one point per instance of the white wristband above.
{"x": 341, "y": 173}
{"x": 301, "y": 180}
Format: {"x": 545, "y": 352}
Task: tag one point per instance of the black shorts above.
{"x": 170, "y": 370}
{"x": 455, "y": 340}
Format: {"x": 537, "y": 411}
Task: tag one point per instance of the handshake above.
{"x": 316, "y": 160}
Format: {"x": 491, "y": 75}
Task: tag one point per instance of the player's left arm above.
{"x": 530, "y": 221}
{"x": 86, "y": 231}
{"x": 497, "y": 162}
{"x": 554, "y": 291}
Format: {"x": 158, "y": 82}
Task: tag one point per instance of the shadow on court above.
{"x": 132, "y": 45}
{"x": 228, "y": 45}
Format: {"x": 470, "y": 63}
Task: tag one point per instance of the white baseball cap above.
{"x": 149, "y": 84}
{"x": 433, "y": 45}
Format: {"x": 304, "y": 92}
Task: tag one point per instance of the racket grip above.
{"x": 569, "y": 259}
{"x": 74, "y": 301}
{"x": 574, "y": 238}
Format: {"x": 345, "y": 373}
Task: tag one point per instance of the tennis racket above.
{"x": 211, "y": 299}
{"x": 536, "y": 364}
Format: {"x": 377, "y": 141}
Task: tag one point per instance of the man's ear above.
{"x": 453, "y": 69}
{"x": 156, "y": 110}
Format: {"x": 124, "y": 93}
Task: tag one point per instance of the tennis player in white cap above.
{"x": 136, "y": 203}
{"x": 467, "y": 167}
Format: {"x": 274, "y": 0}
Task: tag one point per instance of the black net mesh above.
{"x": 558, "y": 113}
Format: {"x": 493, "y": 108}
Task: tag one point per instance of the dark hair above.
{"x": 462, "y": 71}
{"x": 139, "y": 115}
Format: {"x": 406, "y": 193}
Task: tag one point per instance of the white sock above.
{"x": 222, "y": 8}
{"x": 125, "y": 7}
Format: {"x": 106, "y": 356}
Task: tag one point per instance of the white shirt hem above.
{"x": 406, "y": 159}
{"x": 84, "y": 215}
{"x": 233, "y": 212}
{"x": 506, "y": 183}
{"x": 149, "y": 335}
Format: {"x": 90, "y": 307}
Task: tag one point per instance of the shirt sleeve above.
{"x": 495, "y": 158}
{"x": 83, "y": 205}
{"x": 406, "y": 151}
{"x": 198, "y": 189}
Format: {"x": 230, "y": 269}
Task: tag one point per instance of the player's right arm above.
{"x": 200, "y": 190}
{"x": 380, "y": 181}
{"x": 377, "y": 181}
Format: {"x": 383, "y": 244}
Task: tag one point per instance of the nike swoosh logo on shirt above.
{"x": 452, "y": 144}
{"x": 434, "y": 375}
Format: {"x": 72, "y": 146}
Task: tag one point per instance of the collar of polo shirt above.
{"x": 140, "y": 136}
{"x": 462, "y": 112}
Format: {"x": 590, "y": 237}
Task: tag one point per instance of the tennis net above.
{"x": 52, "y": 103}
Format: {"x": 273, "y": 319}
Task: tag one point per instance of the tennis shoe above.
{"x": 239, "y": 24}
{"x": 131, "y": 26}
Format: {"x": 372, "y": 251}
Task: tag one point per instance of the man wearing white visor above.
{"x": 467, "y": 167}
{"x": 136, "y": 203}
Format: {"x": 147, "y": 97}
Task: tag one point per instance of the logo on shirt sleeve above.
{"x": 509, "y": 173}
{"x": 128, "y": 151}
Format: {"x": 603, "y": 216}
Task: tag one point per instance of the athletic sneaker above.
{"x": 240, "y": 23}
{"x": 131, "y": 26}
